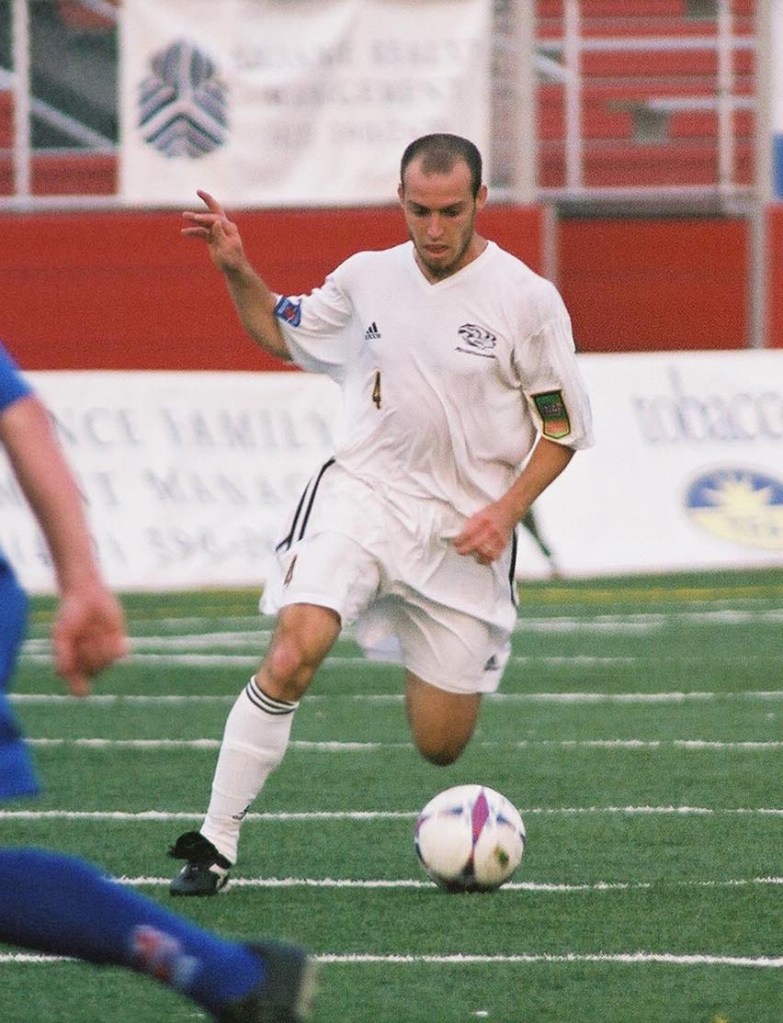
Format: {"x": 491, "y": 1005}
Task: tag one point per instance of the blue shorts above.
{"x": 17, "y": 774}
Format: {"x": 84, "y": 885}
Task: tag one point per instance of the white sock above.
{"x": 255, "y": 739}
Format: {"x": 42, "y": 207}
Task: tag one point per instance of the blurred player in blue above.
{"x": 62, "y": 905}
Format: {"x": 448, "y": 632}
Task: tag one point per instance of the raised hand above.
{"x": 221, "y": 234}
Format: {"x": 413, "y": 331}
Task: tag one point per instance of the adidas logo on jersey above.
{"x": 372, "y": 333}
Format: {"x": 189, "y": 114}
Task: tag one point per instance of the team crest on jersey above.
{"x": 554, "y": 415}
{"x": 476, "y": 340}
{"x": 289, "y": 311}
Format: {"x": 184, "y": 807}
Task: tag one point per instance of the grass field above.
{"x": 639, "y": 730}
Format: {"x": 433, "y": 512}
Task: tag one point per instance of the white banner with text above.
{"x": 281, "y": 102}
{"x": 189, "y": 477}
{"x": 687, "y": 470}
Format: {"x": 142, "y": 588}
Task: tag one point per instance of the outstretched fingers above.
{"x": 209, "y": 201}
{"x": 198, "y": 223}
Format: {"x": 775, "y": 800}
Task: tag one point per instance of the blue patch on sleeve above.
{"x": 289, "y": 311}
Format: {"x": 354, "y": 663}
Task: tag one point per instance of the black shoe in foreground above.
{"x": 286, "y": 992}
{"x": 205, "y": 872}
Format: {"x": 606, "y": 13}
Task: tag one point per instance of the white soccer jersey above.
{"x": 446, "y": 386}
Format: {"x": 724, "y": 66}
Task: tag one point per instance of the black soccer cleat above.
{"x": 286, "y": 992}
{"x": 206, "y": 871}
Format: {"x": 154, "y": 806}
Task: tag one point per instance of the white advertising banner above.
{"x": 189, "y": 477}
{"x": 687, "y": 470}
{"x": 293, "y": 102}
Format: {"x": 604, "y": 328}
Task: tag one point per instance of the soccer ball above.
{"x": 469, "y": 839}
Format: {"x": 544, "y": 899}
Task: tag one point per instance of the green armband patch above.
{"x": 554, "y": 416}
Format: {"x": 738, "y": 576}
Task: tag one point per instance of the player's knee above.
{"x": 287, "y": 666}
{"x": 303, "y": 637}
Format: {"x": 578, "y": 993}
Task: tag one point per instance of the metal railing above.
{"x": 561, "y": 61}
{"x": 558, "y": 61}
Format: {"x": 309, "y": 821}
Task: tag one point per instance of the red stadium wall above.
{"x": 126, "y": 291}
{"x": 123, "y": 290}
{"x": 655, "y": 285}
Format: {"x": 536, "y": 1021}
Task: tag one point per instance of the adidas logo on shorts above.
{"x": 372, "y": 333}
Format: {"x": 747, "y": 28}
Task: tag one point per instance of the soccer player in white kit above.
{"x": 462, "y": 403}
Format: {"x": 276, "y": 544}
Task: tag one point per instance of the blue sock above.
{"x": 63, "y": 906}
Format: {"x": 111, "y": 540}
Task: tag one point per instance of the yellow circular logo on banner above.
{"x": 740, "y": 505}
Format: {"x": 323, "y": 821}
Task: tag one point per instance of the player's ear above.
{"x": 481, "y": 197}
{"x": 401, "y": 193}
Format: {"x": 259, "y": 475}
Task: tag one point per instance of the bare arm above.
{"x": 89, "y": 627}
{"x": 253, "y": 300}
{"x": 487, "y": 533}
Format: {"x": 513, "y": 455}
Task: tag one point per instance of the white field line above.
{"x": 166, "y": 817}
{"x": 258, "y": 628}
{"x": 181, "y": 641}
{"x": 622, "y": 958}
{"x": 615, "y": 623}
{"x": 566, "y": 697}
{"x": 218, "y": 660}
{"x": 252, "y": 660}
{"x": 693, "y": 745}
{"x": 184, "y": 659}
{"x": 525, "y": 959}
{"x": 242, "y": 649}
{"x": 649, "y": 621}
{"x": 533, "y": 887}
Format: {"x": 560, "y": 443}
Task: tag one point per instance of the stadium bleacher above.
{"x": 650, "y": 81}
{"x": 650, "y": 88}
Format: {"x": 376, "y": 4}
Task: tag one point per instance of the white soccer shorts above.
{"x": 385, "y": 563}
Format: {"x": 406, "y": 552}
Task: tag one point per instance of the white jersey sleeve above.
{"x": 549, "y": 374}
{"x": 317, "y": 328}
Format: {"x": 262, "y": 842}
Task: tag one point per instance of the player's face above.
{"x": 440, "y": 211}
